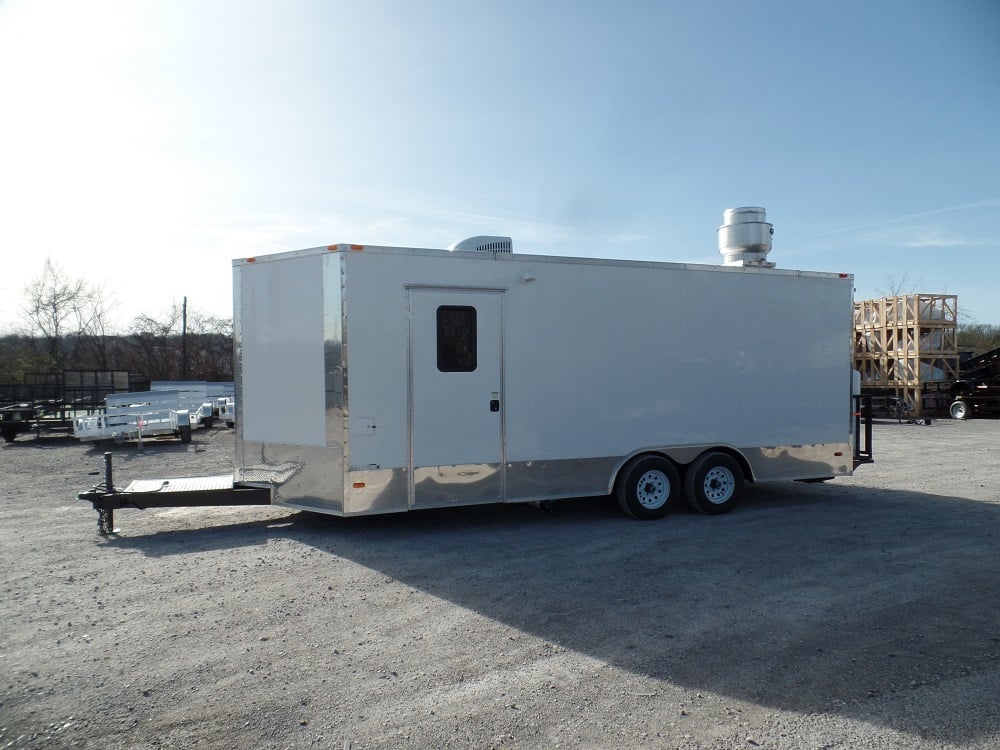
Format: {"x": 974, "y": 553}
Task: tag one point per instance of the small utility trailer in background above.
{"x": 129, "y": 416}
{"x": 430, "y": 378}
{"x": 202, "y": 399}
{"x": 227, "y": 411}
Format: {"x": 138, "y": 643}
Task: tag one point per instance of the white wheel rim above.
{"x": 652, "y": 489}
{"x": 719, "y": 485}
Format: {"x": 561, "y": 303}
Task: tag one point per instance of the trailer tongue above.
{"x": 187, "y": 492}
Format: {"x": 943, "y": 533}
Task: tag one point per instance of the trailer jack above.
{"x": 189, "y": 492}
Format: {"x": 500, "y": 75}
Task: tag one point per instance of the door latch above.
{"x": 494, "y": 404}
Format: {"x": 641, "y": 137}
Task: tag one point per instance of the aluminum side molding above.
{"x": 469, "y": 484}
{"x": 552, "y": 479}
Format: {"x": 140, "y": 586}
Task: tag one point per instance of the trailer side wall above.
{"x": 602, "y": 360}
{"x": 595, "y": 361}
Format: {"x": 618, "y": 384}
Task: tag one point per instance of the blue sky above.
{"x": 145, "y": 144}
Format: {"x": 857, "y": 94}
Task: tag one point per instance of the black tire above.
{"x": 230, "y": 425}
{"x": 648, "y": 487}
{"x": 9, "y": 433}
{"x": 185, "y": 431}
{"x": 960, "y": 409}
{"x": 713, "y": 484}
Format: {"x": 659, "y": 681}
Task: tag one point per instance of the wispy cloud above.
{"x": 986, "y": 203}
{"x": 923, "y": 236}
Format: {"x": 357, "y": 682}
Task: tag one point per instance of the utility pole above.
{"x": 184, "y": 341}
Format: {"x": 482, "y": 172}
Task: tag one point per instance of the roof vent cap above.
{"x": 484, "y": 244}
{"x": 745, "y": 237}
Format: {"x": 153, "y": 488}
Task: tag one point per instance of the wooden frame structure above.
{"x": 906, "y": 347}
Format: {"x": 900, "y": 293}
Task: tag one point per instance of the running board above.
{"x": 187, "y": 492}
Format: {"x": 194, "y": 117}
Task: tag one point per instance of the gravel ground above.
{"x": 860, "y": 613}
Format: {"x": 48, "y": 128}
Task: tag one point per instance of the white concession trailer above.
{"x": 384, "y": 379}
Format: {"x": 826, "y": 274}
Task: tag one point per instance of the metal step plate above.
{"x": 183, "y": 484}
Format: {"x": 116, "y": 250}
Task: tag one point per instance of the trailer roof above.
{"x": 519, "y": 257}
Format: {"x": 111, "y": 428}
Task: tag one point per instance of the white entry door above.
{"x": 456, "y": 430}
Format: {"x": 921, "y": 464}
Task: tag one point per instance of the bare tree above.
{"x": 978, "y": 337}
{"x": 152, "y": 347}
{"x": 94, "y": 339}
{"x": 67, "y": 326}
{"x": 210, "y": 347}
{"x": 19, "y": 355}
{"x": 156, "y": 346}
{"x": 899, "y": 287}
{"x": 66, "y": 314}
{"x": 48, "y": 307}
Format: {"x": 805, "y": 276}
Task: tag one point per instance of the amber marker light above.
{"x": 357, "y": 248}
{"x": 358, "y": 485}
{"x": 251, "y": 260}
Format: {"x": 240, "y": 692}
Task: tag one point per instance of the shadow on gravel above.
{"x": 820, "y": 598}
{"x": 165, "y": 444}
{"x": 45, "y": 440}
{"x": 54, "y": 441}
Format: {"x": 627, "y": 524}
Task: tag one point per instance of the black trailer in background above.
{"x": 48, "y": 401}
{"x": 977, "y": 392}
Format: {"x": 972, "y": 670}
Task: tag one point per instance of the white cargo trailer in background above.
{"x": 427, "y": 378}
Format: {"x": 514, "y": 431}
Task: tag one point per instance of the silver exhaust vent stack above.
{"x": 745, "y": 237}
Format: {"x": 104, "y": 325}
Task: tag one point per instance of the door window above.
{"x": 456, "y": 338}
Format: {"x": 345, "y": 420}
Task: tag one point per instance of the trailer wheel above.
{"x": 9, "y": 433}
{"x": 648, "y": 487}
{"x": 714, "y": 483}
{"x": 960, "y": 410}
{"x": 185, "y": 431}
